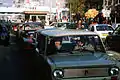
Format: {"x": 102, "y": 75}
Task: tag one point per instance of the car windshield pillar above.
{"x": 46, "y": 46}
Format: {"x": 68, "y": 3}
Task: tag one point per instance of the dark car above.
{"x": 113, "y": 40}
{"x": 26, "y": 33}
{"x": 75, "y": 55}
{"x": 4, "y": 35}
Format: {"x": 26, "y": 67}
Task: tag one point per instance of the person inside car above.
{"x": 79, "y": 43}
{"x": 54, "y": 46}
{"x": 58, "y": 45}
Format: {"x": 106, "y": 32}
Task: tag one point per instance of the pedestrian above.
{"x": 43, "y": 22}
{"x": 79, "y": 25}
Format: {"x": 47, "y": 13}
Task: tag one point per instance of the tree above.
{"x": 76, "y": 6}
{"x": 96, "y": 4}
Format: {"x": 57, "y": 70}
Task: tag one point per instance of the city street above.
{"x": 46, "y": 26}
{"x": 18, "y": 65}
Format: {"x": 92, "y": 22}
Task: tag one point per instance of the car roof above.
{"x": 101, "y": 24}
{"x": 32, "y": 23}
{"x": 63, "y": 22}
{"x": 66, "y": 32}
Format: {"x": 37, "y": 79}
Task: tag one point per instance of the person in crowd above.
{"x": 79, "y": 25}
{"x": 79, "y": 45}
{"x": 43, "y": 22}
{"x": 54, "y": 46}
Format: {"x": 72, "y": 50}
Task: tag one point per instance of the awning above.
{"x": 36, "y": 12}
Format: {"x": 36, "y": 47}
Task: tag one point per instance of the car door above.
{"x": 114, "y": 39}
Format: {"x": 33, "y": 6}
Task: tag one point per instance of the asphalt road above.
{"x": 19, "y": 65}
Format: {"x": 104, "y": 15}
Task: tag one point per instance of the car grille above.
{"x": 88, "y": 72}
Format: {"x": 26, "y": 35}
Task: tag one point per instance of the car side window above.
{"x": 41, "y": 43}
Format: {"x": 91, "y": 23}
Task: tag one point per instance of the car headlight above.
{"x": 114, "y": 71}
{"x": 58, "y": 74}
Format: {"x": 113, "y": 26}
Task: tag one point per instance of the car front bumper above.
{"x": 94, "y": 78}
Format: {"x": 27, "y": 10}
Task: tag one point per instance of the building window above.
{"x": 110, "y": 2}
{"x": 116, "y": 1}
{"x": 33, "y": 18}
{"x": 105, "y": 2}
{"x": 27, "y": 16}
{"x": 41, "y": 17}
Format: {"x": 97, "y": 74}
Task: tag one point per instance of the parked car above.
{"x": 101, "y": 29}
{"x": 75, "y": 55}
{"x": 113, "y": 40}
{"x": 26, "y": 33}
{"x": 64, "y": 25}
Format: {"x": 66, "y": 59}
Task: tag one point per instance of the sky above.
{"x": 47, "y": 2}
{"x": 7, "y": 2}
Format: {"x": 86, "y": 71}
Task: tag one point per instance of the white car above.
{"x": 101, "y": 29}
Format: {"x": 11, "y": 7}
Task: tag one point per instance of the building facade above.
{"x": 6, "y": 3}
{"x": 33, "y": 9}
{"x": 114, "y": 7}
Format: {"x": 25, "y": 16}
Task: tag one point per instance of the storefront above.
{"x": 36, "y": 15}
{"x": 12, "y": 14}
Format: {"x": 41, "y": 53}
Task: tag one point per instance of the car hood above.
{"x": 80, "y": 60}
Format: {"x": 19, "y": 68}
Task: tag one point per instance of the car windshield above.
{"x": 77, "y": 44}
{"x": 104, "y": 28}
{"x": 63, "y": 24}
{"x": 33, "y": 25}
{"x": 67, "y": 25}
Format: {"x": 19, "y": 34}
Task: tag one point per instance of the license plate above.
{"x": 104, "y": 34}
